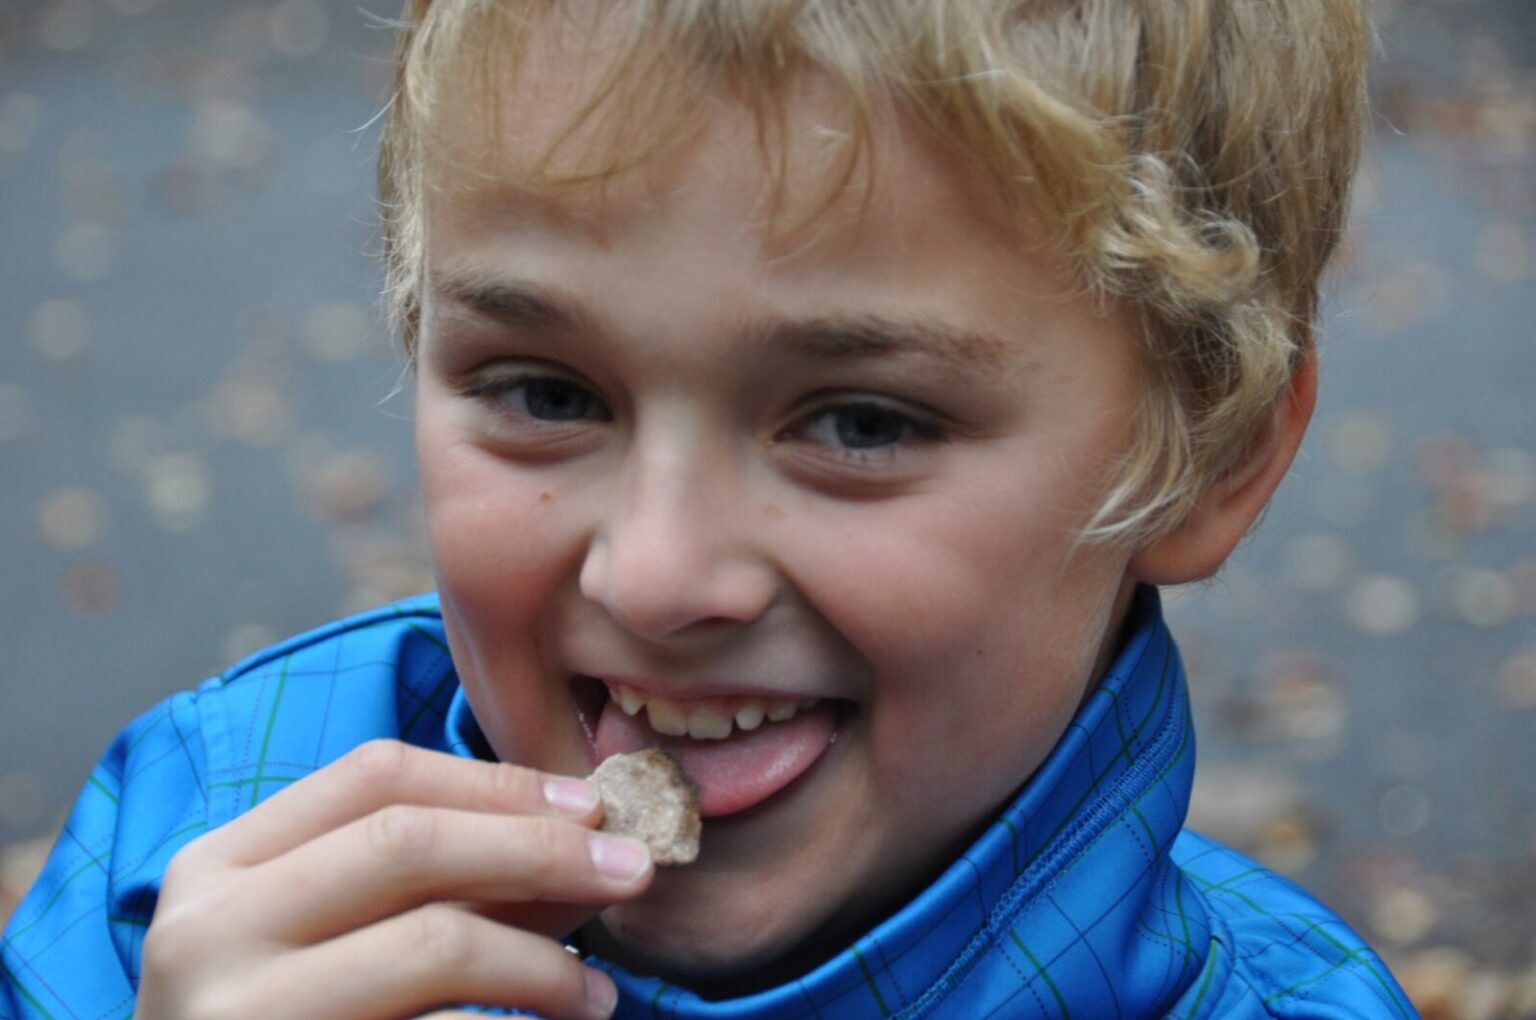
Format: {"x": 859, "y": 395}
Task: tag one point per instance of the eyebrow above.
{"x": 838, "y": 338}
{"x": 823, "y": 338}
{"x": 517, "y": 302}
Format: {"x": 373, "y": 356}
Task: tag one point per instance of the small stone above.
{"x": 646, "y": 797}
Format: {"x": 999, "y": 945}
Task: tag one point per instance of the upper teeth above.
{"x": 706, "y": 722}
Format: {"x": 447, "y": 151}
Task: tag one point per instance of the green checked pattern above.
{"x": 1085, "y": 899}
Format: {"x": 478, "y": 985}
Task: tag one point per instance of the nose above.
{"x": 673, "y": 554}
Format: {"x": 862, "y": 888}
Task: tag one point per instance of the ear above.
{"x": 1225, "y": 511}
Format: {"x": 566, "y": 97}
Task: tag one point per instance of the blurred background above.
{"x": 202, "y": 449}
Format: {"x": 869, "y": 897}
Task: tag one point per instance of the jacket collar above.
{"x": 1068, "y": 900}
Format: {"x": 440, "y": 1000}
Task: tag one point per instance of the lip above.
{"x": 592, "y": 693}
{"x": 735, "y": 778}
{"x": 703, "y": 691}
{"x": 593, "y": 696}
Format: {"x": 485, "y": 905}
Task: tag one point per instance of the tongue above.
{"x": 738, "y": 772}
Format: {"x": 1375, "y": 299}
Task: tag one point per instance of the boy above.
{"x": 820, "y": 391}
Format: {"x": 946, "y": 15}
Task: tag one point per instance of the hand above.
{"x": 389, "y": 883}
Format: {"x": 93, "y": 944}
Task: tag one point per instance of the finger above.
{"x": 434, "y": 957}
{"x": 555, "y": 920}
{"x": 404, "y": 856}
{"x": 384, "y": 772}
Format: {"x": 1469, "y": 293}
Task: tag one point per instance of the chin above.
{"x": 730, "y": 950}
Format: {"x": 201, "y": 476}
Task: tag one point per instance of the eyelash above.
{"x": 912, "y": 429}
{"x": 493, "y": 389}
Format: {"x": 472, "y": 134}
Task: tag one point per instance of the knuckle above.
{"x": 571, "y": 981}
{"x": 226, "y": 1000}
{"x": 175, "y": 962}
{"x": 180, "y": 870}
{"x": 161, "y": 951}
{"x": 402, "y": 834}
{"x": 179, "y": 932}
{"x": 509, "y": 784}
{"x": 379, "y": 761}
{"x": 548, "y": 851}
{"x": 441, "y": 939}
{"x": 192, "y": 861}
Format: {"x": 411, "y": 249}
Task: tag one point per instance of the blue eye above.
{"x": 865, "y": 426}
{"x": 546, "y": 398}
{"x": 557, "y": 400}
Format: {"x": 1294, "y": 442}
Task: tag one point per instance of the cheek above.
{"x": 935, "y": 582}
{"x": 980, "y": 638}
{"x": 493, "y": 528}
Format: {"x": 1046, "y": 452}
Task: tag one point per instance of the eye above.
{"x": 541, "y": 397}
{"x": 552, "y": 399}
{"x": 863, "y": 427}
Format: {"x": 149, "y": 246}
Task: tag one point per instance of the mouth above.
{"x": 739, "y": 750}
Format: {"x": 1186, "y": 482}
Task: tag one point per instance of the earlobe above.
{"x": 1197, "y": 548}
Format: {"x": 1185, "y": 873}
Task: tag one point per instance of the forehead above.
{"x": 560, "y": 127}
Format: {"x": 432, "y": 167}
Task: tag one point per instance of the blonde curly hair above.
{"x": 1195, "y": 157}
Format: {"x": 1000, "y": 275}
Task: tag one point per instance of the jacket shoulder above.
{"x": 193, "y": 762}
{"x": 296, "y": 706}
{"x": 1276, "y": 950}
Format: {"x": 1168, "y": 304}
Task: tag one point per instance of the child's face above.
{"x": 663, "y": 448}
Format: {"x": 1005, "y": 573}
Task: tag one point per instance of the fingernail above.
{"x": 602, "y": 994}
{"x": 571, "y": 796}
{"x": 619, "y": 857}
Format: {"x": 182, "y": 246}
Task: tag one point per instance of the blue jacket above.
{"x": 1086, "y": 898}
